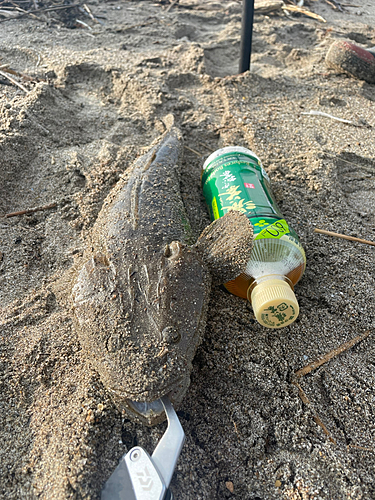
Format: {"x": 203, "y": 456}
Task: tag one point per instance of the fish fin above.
{"x": 225, "y": 246}
{"x": 99, "y": 308}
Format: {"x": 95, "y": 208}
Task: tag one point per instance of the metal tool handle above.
{"x": 169, "y": 447}
{"x": 141, "y": 477}
{"x": 119, "y": 486}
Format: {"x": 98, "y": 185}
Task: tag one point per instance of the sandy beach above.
{"x": 90, "y": 96}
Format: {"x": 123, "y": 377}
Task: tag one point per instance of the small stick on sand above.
{"x": 48, "y": 9}
{"x": 338, "y": 158}
{"x": 335, "y": 5}
{"x": 205, "y": 146}
{"x": 31, "y": 210}
{"x": 87, "y": 9}
{"x": 171, "y": 5}
{"x": 331, "y": 4}
{"x": 315, "y": 364}
{"x": 342, "y": 120}
{"x": 363, "y": 448}
{"x": 193, "y": 151}
{"x": 299, "y": 10}
{"x": 5, "y": 68}
{"x": 8, "y": 14}
{"x": 27, "y": 13}
{"x": 2, "y": 73}
{"x": 236, "y": 430}
{"x": 83, "y": 24}
{"x": 60, "y": 7}
{"x": 317, "y": 419}
{"x": 344, "y": 237}
{"x": 332, "y": 354}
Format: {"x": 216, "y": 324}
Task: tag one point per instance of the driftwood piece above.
{"x": 268, "y": 6}
{"x": 305, "y": 12}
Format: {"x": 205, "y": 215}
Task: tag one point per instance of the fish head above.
{"x": 140, "y": 316}
{"x": 141, "y": 329}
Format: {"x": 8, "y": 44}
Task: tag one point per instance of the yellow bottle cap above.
{"x": 274, "y": 303}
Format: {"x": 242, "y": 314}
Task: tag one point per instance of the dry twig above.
{"x": 171, "y": 5}
{"x": 344, "y": 237}
{"x": 327, "y": 115}
{"x": 8, "y": 14}
{"x": 193, "y": 151}
{"x": 332, "y": 354}
{"x": 305, "y": 12}
{"x": 28, "y": 12}
{"x": 5, "y": 68}
{"x": 316, "y": 364}
{"x": 91, "y": 15}
{"x": 31, "y": 210}
{"x": 83, "y": 24}
{"x": 47, "y": 9}
{"x": 205, "y": 146}
{"x": 335, "y": 5}
{"x": 363, "y": 448}
{"x": 2, "y": 73}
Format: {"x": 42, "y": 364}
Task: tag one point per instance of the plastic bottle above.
{"x": 233, "y": 178}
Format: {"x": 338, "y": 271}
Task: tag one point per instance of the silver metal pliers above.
{"x": 141, "y": 477}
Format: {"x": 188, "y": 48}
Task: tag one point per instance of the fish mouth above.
{"x": 144, "y": 410}
{"x": 152, "y": 412}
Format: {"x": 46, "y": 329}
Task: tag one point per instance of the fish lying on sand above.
{"x": 140, "y": 300}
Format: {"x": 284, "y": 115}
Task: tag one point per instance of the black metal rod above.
{"x": 246, "y": 34}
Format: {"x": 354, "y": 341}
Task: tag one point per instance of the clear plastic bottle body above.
{"x": 270, "y": 257}
{"x": 234, "y": 179}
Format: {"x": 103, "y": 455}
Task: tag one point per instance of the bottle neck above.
{"x": 267, "y": 277}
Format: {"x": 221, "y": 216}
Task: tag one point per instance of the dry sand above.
{"x": 249, "y": 434}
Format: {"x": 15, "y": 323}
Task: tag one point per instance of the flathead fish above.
{"x": 141, "y": 298}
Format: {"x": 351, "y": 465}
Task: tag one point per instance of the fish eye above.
{"x": 172, "y": 250}
{"x": 167, "y": 251}
{"x": 171, "y": 335}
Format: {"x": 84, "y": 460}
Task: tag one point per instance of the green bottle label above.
{"x": 238, "y": 181}
{"x": 235, "y": 181}
{"x": 273, "y": 229}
